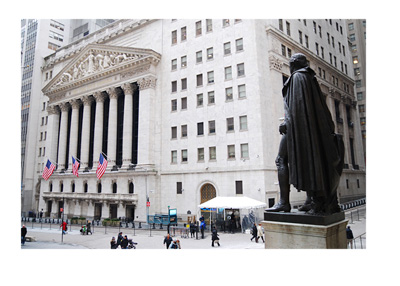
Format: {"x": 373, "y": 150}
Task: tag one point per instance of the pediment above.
{"x": 95, "y": 61}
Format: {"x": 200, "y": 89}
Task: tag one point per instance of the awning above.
{"x": 233, "y": 203}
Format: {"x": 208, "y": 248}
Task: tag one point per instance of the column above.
{"x": 105, "y": 210}
{"x": 121, "y": 209}
{"x": 90, "y": 211}
{"x": 98, "y": 127}
{"x": 62, "y": 147}
{"x": 147, "y": 113}
{"x": 112, "y": 128}
{"x": 128, "y": 121}
{"x": 51, "y": 138}
{"x": 87, "y": 100}
{"x": 73, "y": 137}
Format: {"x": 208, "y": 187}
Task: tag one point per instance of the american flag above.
{"x": 101, "y": 168}
{"x": 48, "y": 170}
{"x": 75, "y": 166}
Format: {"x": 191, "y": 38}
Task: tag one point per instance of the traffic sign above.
{"x": 148, "y": 204}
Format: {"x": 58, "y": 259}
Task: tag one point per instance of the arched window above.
{"x": 61, "y": 187}
{"x": 114, "y": 188}
{"x": 131, "y": 188}
{"x": 207, "y": 193}
{"x": 85, "y": 187}
{"x": 99, "y": 188}
{"x": 51, "y": 187}
{"x": 73, "y": 187}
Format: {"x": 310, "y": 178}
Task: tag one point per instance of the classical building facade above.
{"x": 184, "y": 110}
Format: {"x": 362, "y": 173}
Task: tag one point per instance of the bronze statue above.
{"x": 310, "y": 154}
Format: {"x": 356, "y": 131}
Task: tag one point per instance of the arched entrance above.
{"x": 207, "y": 192}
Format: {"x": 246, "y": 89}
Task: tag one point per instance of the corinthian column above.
{"x": 52, "y": 131}
{"x": 87, "y": 100}
{"x": 112, "y": 127}
{"x": 73, "y": 137}
{"x": 128, "y": 121}
{"x": 98, "y": 127}
{"x": 62, "y": 148}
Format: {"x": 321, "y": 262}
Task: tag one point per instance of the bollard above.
{"x": 133, "y": 224}
{"x": 161, "y": 226}
{"x": 154, "y": 225}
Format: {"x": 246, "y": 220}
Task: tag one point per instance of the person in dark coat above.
{"x": 350, "y": 237}
{"x": 167, "y": 240}
{"x": 24, "y": 231}
{"x": 119, "y": 239}
{"x": 88, "y": 227}
{"x": 254, "y": 231}
{"x": 124, "y": 242}
{"x": 311, "y": 155}
{"x": 192, "y": 229}
{"x": 113, "y": 243}
{"x": 214, "y": 237}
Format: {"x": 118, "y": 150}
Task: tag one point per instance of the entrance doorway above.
{"x": 113, "y": 210}
{"x": 207, "y": 192}
{"x": 130, "y": 213}
{"x": 48, "y": 211}
{"x": 97, "y": 211}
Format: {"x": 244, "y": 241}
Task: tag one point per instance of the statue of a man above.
{"x": 310, "y": 154}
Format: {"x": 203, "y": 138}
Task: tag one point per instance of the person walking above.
{"x": 202, "y": 228}
{"x": 119, "y": 239}
{"x": 167, "y": 240}
{"x": 23, "y": 234}
{"x": 124, "y": 242}
{"x": 254, "y": 232}
{"x": 113, "y": 243}
{"x": 88, "y": 228}
{"x": 64, "y": 227}
{"x": 214, "y": 237}
{"x": 192, "y": 229}
{"x": 260, "y": 232}
{"x": 350, "y": 237}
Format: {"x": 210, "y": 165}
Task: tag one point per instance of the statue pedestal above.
{"x": 296, "y": 235}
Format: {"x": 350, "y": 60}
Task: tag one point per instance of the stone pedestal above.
{"x": 294, "y": 235}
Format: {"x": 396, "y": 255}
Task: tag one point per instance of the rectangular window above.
{"x": 306, "y": 40}
{"x": 183, "y": 62}
{"x": 183, "y": 34}
{"x": 179, "y": 187}
{"x": 174, "y": 86}
{"x": 317, "y": 48}
{"x": 183, "y": 131}
{"x": 240, "y": 69}
{"x": 174, "y": 64}
{"x": 174, "y": 157}
{"x": 281, "y": 25}
{"x": 174, "y": 105}
{"x": 211, "y": 127}
{"x": 200, "y": 100}
{"x": 239, "y": 187}
{"x": 239, "y": 45}
{"x": 210, "y": 77}
{"x": 230, "y": 126}
{"x": 200, "y": 154}
{"x": 228, "y": 94}
{"x": 184, "y": 83}
{"x": 228, "y": 73}
{"x": 209, "y": 26}
{"x": 211, "y": 97}
{"x": 243, "y": 122}
{"x": 183, "y": 103}
{"x": 288, "y": 28}
{"x": 300, "y": 37}
{"x": 360, "y": 96}
{"x": 198, "y": 28}
{"x": 283, "y": 48}
{"x": 184, "y": 155}
{"x": 244, "y": 151}
{"x": 199, "y": 57}
{"x": 199, "y": 80}
{"x": 174, "y": 132}
{"x": 174, "y": 37}
{"x": 213, "y": 153}
{"x": 225, "y": 22}
{"x": 242, "y": 91}
{"x": 231, "y": 151}
{"x": 200, "y": 128}
{"x": 227, "y": 48}
{"x": 210, "y": 53}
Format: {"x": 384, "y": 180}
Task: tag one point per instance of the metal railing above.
{"x": 359, "y": 242}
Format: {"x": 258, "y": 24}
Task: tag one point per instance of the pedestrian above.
{"x": 350, "y": 237}
{"x": 124, "y": 242}
{"x": 113, "y": 243}
{"x": 88, "y": 227}
{"x": 214, "y": 237}
{"x": 260, "y": 232}
{"x": 192, "y": 229}
{"x": 64, "y": 227}
{"x": 254, "y": 232}
{"x": 167, "y": 241}
{"x": 23, "y": 234}
{"x": 202, "y": 227}
{"x": 119, "y": 239}
{"x": 175, "y": 244}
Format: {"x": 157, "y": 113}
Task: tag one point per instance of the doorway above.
{"x": 97, "y": 211}
{"x": 130, "y": 213}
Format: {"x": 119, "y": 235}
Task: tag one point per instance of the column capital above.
{"x": 53, "y": 109}
{"x": 75, "y": 103}
{"x": 99, "y": 96}
{"x": 129, "y": 88}
{"x": 147, "y": 82}
{"x": 64, "y": 106}
{"x": 87, "y": 99}
{"x": 112, "y": 92}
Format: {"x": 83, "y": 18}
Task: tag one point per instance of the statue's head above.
{"x": 297, "y": 61}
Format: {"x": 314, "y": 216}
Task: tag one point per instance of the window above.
{"x": 361, "y": 108}
{"x": 300, "y": 37}
{"x": 199, "y": 57}
{"x": 174, "y": 37}
{"x": 114, "y": 187}
{"x": 211, "y": 97}
{"x": 174, "y": 105}
{"x": 228, "y": 94}
{"x": 360, "y": 96}
{"x": 314, "y": 27}
{"x": 210, "y": 53}
{"x": 335, "y": 61}
{"x": 317, "y": 48}
{"x": 209, "y": 27}
{"x": 239, "y": 187}
{"x": 322, "y": 53}
{"x": 230, "y": 126}
{"x": 85, "y": 188}
{"x": 200, "y": 100}
{"x": 183, "y": 34}
{"x": 240, "y": 69}
{"x": 227, "y": 48}
{"x": 184, "y": 155}
{"x": 174, "y": 86}
{"x": 288, "y": 28}
{"x": 56, "y": 36}
{"x": 242, "y": 91}
{"x": 244, "y": 151}
{"x": 213, "y": 153}
{"x": 174, "y": 132}
{"x": 99, "y": 188}
{"x": 183, "y": 103}
{"x": 179, "y": 187}
{"x": 174, "y": 157}
{"x": 225, "y": 22}
{"x": 328, "y": 36}
{"x": 200, "y": 128}
{"x": 320, "y": 31}
{"x": 358, "y": 83}
{"x": 281, "y": 25}
{"x": 183, "y": 131}
{"x": 283, "y": 48}
{"x": 306, "y": 40}
{"x": 351, "y": 26}
{"x": 198, "y": 28}
{"x": 199, "y": 79}
{"x": 231, "y": 151}
{"x": 183, "y": 62}
{"x": 354, "y": 48}
{"x": 184, "y": 83}
{"x": 210, "y": 77}
{"x": 239, "y": 45}
{"x": 357, "y": 71}
{"x": 174, "y": 64}
{"x": 211, "y": 127}
{"x": 200, "y": 154}
{"x": 57, "y": 25}
{"x": 355, "y": 60}
{"x": 362, "y": 120}
{"x": 243, "y": 122}
{"x": 228, "y": 73}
